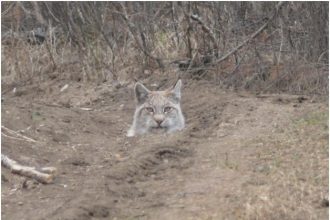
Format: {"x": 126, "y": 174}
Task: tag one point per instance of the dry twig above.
{"x": 17, "y": 134}
{"x": 44, "y": 175}
{"x": 255, "y": 34}
{"x": 205, "y": 29}
{"x": 132, "y": 29}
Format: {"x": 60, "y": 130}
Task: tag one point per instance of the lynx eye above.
{"x": 150, "y": 110}
{"x": 168, "y": 109}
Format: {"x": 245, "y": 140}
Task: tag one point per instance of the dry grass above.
{"x": 291, "y": 172}
{"x": 23, "y": 62}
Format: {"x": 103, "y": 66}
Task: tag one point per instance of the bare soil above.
{"x": 241, "y": 156}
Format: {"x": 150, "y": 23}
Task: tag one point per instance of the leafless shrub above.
{"x": 239, "y": 43}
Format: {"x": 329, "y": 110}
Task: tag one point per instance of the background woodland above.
{"x": 261, "y": 46}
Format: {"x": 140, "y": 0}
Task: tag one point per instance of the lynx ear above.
{"x": 141, "y": 93}
{"x": 176, "y": 91}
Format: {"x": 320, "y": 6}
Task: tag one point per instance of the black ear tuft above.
{"x": 141, "y": 93}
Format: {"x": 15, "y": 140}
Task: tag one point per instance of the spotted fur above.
{"x": 157, "y": 111}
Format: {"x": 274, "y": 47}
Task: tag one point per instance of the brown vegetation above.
{"x": 68, "y": 72}
{"x": 264, "y": 46}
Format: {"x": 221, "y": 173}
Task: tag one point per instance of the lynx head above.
{"x": 157, "y": 111}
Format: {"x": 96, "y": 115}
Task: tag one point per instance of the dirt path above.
{"x": 241, "y": 156}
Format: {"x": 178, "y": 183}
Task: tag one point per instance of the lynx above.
{"x": 157, "y": 111}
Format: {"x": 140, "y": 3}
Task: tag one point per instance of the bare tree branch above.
{"x": 133, "y": 31}
{"x": 205, "y": 29}
{"x": 255, "y": 34}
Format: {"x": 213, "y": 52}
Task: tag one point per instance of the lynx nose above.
{"x": 159, "y": 118}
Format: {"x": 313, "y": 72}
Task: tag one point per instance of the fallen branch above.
{"x": 17, "y": 134}
{"x": 44, "y": 175}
